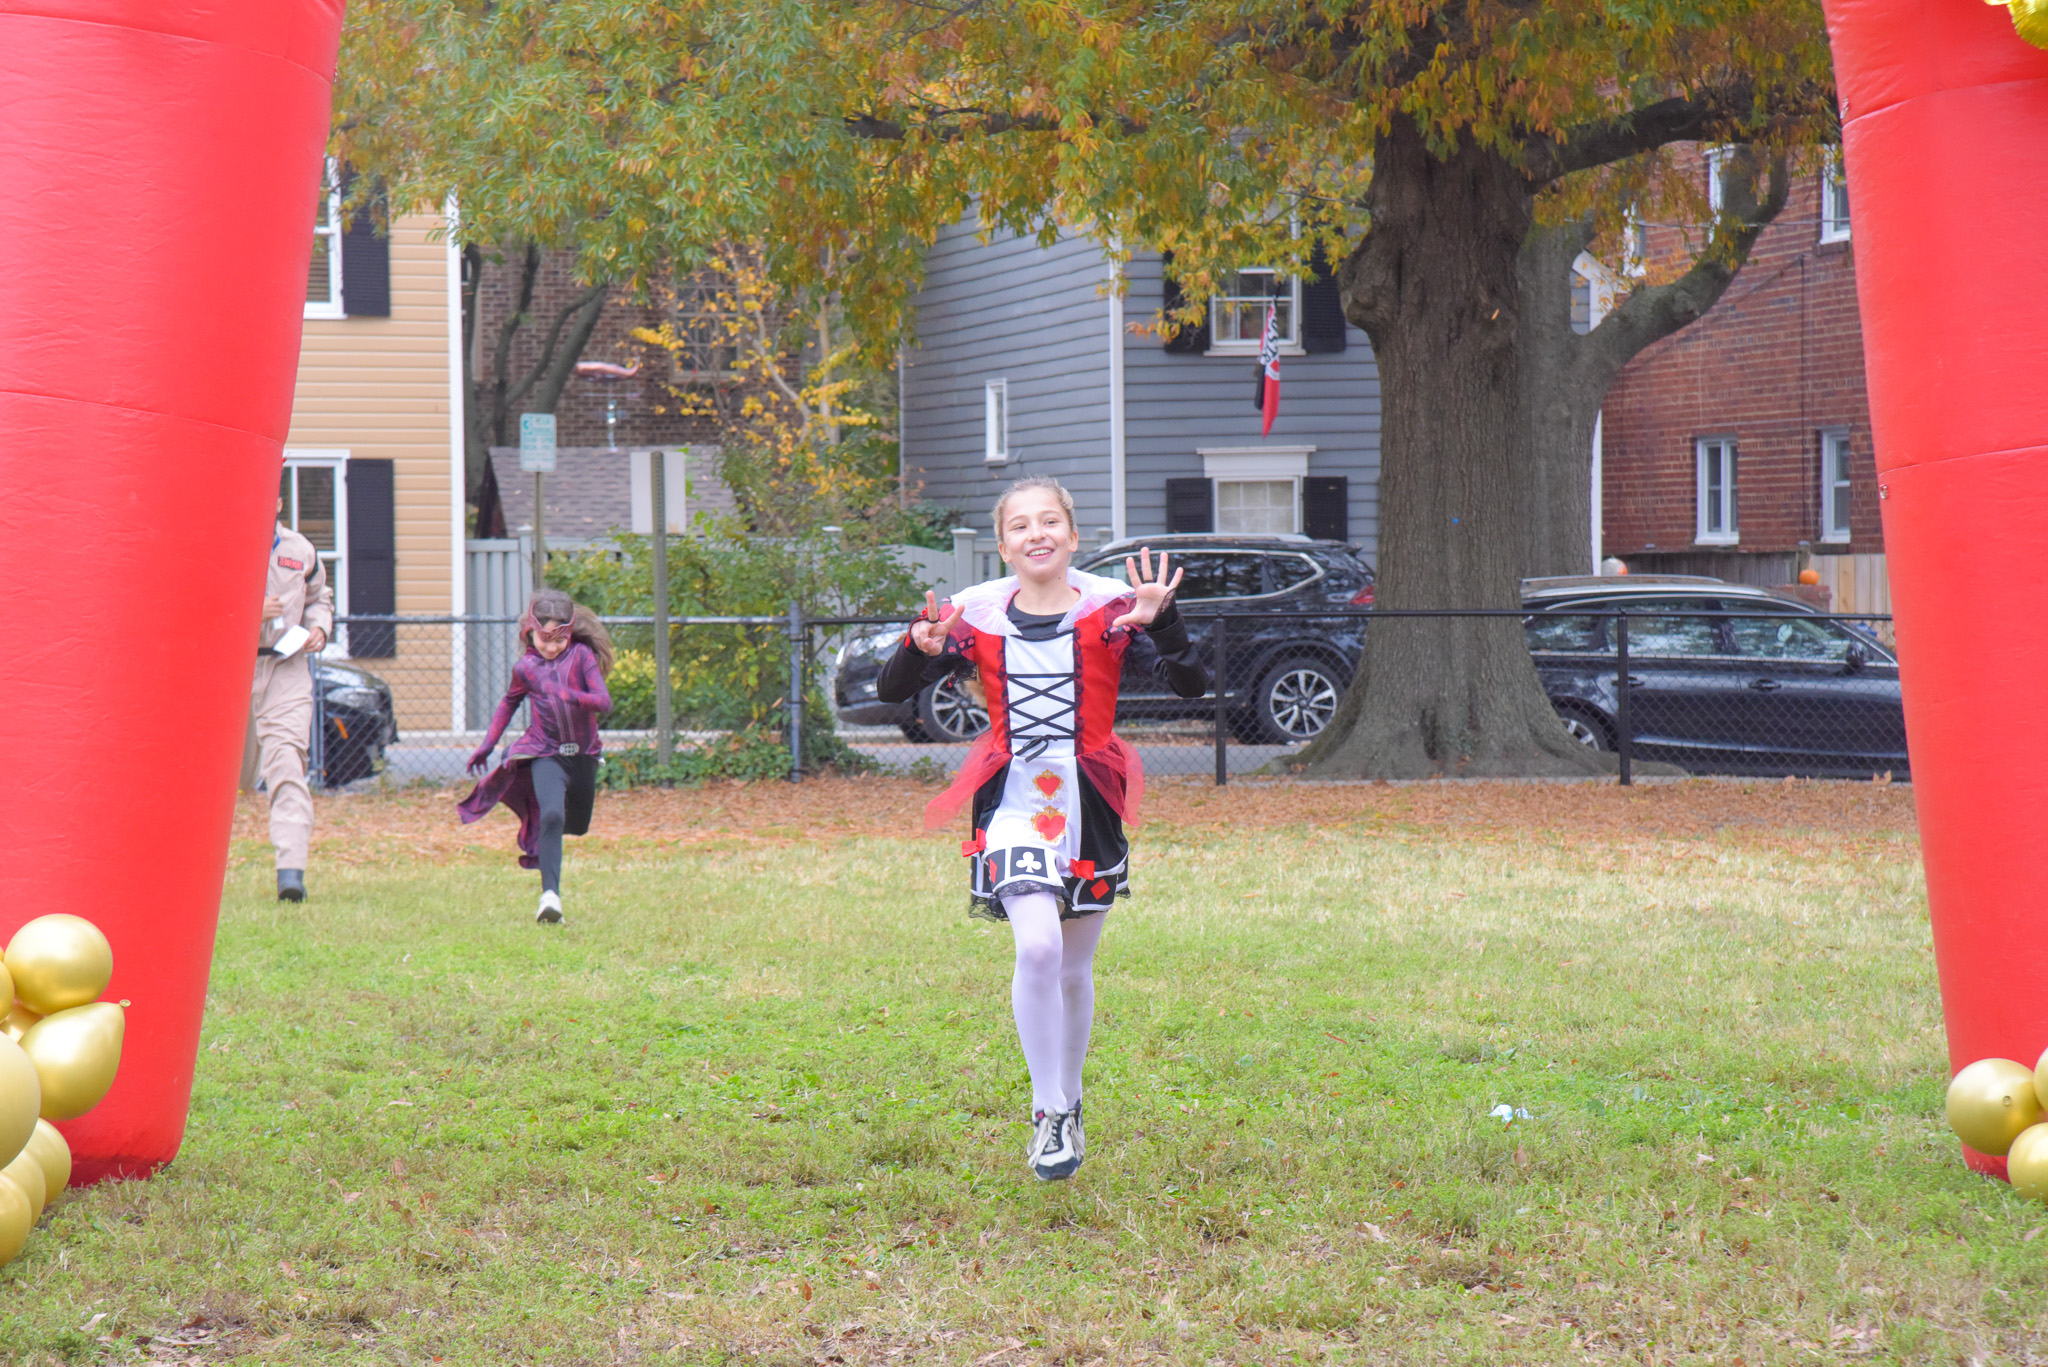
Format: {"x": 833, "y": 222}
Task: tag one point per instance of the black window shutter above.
{"x": 1326, "y": 507}
{"x": 1322, "y": 308}
{"x": 365, "y": 264}
{"x": 372, "y": 558}
{"x": 1189, "y": 341}
{"x": 1190, "y": 506}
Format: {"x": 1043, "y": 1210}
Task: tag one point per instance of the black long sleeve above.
{"x": 910, "y": 669}
{"x": 1172, "y": 658}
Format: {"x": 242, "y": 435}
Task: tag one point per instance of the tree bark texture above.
{"x": 1434, "y": 283}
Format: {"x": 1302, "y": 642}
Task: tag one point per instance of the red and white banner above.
{"x": 1268, "y": 395}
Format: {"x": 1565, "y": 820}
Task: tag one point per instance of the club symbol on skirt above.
{"x": 1048, "y": 783}
{"x": 1050, "y": 823}
{"x": 1025, "y": 861}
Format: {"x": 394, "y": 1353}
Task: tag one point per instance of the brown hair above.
{"x": 1034, "y": 482}
{"x": 553, "y": 605}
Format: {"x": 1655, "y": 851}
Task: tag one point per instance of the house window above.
{"x": 1257, "y": 489}
{"x": 1717, "y": 168}
{"x": 1257, "y": 507}
{"x": 1717, "y": 525}
{"x": 1635, "y": 246}
{"x": 1834, "y": 200}
{"x": 995, "y": 448}
{"x": 704, "y": 318}
{"x": 323, "y": 273}
{"x": 1237, "y": 317}
{"x": 313, "y": 489}
{"x": 1834, "y": 486}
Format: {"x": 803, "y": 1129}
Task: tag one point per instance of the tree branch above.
{"x": 551, "y": 371}
{"x": 1650, "y": 314}
{"x": 1680, "y": 119}
{"x": 878, "y": 129}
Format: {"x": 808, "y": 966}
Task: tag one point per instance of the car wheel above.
{"x": 947, "y": 713}
{"x": 1588, "y": 730}
{"x": 1296, "y": 700}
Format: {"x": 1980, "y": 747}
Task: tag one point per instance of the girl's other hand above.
{"x": 929, "y": 632}
{"x": 480, "y": 760}
{"x": 1152, "y": 591}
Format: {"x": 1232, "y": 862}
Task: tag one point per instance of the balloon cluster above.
{"x": 61, "y": 1048}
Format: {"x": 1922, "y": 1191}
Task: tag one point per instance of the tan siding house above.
{"x": 374, "y": 458}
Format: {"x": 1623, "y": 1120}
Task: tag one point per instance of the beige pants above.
{"x": 282, "y": 701}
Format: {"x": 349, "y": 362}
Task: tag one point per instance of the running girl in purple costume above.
{"x": 549, "y": 777}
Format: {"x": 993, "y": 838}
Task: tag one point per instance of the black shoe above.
{"x": 291, "y": 885}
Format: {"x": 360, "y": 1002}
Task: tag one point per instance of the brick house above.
{"x": 1740, "y": 446}
{"x": 606, "y": 425}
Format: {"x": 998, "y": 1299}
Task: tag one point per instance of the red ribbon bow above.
{"x": 976, "y": 845}
{"x": 1084, "y": 869}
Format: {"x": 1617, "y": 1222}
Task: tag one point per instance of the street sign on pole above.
{"x": 537, "y": 442}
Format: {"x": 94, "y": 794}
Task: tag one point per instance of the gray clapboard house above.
{"x": 1027, "y": 363}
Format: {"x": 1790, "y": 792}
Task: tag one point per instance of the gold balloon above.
{"x": 53, "y": 1151}
{"x": 2029, "y": 19}
{"x": 18, "y": 1021}
{"x": 1989, "y": 1103}
{"x": 76, "y": 1053}
{"x": 59, "y": 961}
{"x": 2026, "y": 1163}
{"x": 27, "y": 1174}
{"x": 17, "y": 1218}
{"x": 21, "y": 1100}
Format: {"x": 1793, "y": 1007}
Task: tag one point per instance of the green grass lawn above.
{"x": 765, "y": 1104}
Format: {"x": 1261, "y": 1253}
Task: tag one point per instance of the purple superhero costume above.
{"x": 566, "y": 695}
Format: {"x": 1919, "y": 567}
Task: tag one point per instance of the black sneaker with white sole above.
{"x": 1053, "y": 1157}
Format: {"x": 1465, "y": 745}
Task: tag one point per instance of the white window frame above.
{"x": 1290, "y": 343}
{"x": 332, "y": 307}
{"x": 1833, "y": 179}
{"x": 1223, "y": 465}
{"x": 1635, "y": 246}
{"x": 1717, "y": 158}
{"x": 1724, "y": 501}
{"x": 995, "y": 423}
{"x": 1836, "y": 494}
{"x": 336, "y": 560}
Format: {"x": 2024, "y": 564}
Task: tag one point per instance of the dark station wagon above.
{"x": 1723, "y": 678}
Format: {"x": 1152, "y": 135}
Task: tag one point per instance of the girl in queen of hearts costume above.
{"x": 1050, "y": 786}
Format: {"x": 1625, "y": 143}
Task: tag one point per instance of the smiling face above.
{"x": 551, "y": 639}
{"x": 1038, "y": 537}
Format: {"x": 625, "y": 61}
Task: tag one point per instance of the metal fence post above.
{"x": 1623, "y": 741}
{"x": 664, "y": 713}
{"x": 796, "y": 692}
{"x": 1222, "y": 712}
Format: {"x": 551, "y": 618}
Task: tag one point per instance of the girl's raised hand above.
{"x": 1153, "y": 592}
{"x": 929, "y": 632}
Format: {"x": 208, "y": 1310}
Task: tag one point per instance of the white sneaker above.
{"x": 1052, "y": 1147}
{"x": 550, "y": 912}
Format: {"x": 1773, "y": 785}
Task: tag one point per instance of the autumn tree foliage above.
{"x": 1444, "y": 154}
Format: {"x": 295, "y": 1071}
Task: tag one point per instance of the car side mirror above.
{"x": 1854, "y": 660}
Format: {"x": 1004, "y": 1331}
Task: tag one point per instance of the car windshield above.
{"x": 1565, "y": 633}
{"x": 1204, "y": 574}
{"x": 1661, "y": 626}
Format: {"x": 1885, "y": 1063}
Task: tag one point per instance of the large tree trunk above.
{"x": 1434, "y": 284}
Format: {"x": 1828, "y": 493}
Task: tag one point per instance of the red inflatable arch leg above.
{"x": 159, "y": 162}
{"x": 1945, "y": 122}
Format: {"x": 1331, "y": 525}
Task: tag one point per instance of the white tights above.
{"x": 1053, "y": 994}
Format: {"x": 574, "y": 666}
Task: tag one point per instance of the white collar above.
{"x": 986, "y": 607}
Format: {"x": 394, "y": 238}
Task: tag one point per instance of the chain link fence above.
{"x": 1758, "y": 691}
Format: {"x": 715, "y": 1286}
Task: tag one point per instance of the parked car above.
{"x": 1772, "y": 690}
{"x": 1286, "y": 675}
{"x": 358, "y": 721}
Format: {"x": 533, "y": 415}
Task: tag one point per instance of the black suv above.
{"x": 1768, "y": 689}
{"x": 1285, "y": 676}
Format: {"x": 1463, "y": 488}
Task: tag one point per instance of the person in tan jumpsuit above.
{"x": 295, "y": 592}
